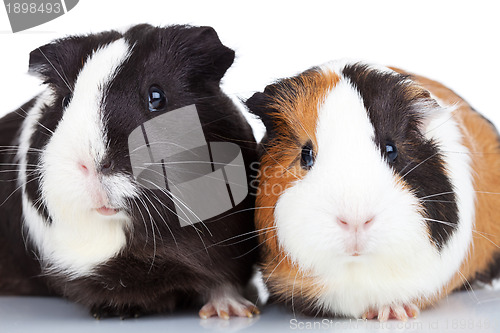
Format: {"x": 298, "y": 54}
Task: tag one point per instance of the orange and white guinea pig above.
{"x": 376, "y": 192}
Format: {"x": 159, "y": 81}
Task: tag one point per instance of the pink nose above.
{"x": 354, "y": 224}
{"x": 83, "y": 168}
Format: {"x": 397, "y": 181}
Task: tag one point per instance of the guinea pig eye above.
{"x": 65, "y": 101}
{"x": 157, "y": 99}
{"x": 391, "y": 151}
{"x": 307, "y": 157}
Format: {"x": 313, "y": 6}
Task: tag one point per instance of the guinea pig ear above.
{"x": 260, "y": 104}
{"x": 59, "y": 62}
{"x": 211, "y": 58}
{"x": 428, "y": 108}
{"x": 48, "y": 62}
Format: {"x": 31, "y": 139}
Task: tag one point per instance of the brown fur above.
{"x": 481, "y": 138}
{"x": 280, "y": 168}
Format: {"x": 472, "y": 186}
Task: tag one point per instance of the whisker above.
{"x": 419, "y": 164}
{"x": 39, "y": 123}
{"x": 17, "y": 179}
{"x": 228, "y": 139}
{"x": 192, "y": 162}
{"x": 147, "y": 145}
{"x": 237, "y": 242}
{"x": 293, "y": 291}
{"x": 154, "y": 221}
{"x": 152, "y": 231}
{"x": 489, "y": 240}
{"x": 52, "y": 65}
{"x": 250, "y": 232}
{"x": 189, "y": 210}
{"x": 173, "y": 197}
{"x": 160, "y": 201}
{"x": 17, "y": 189}
{"x": 442, "y": 222}
{"x": 286, "y": 169}
{"x": 436, "y": 195}
{"x": 188, "y": 222}
{"x": 469, "y": 288}
{"x": 242, "y": 210}
{"x": 265, "y": 268}
{"x": 168, "y": 227}
{"x": 279, "y": 263}
{"x": 453, "y": 107}
{"x": 143, "y": 221}
{"x": 254, "y": 248}
{"x": 193, "y": 173}
{"x": 485, "y": 192}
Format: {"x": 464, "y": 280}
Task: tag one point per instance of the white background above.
{"x": 455, "y": 42}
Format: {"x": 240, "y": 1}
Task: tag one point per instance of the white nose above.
{"x": 354, "y": 224}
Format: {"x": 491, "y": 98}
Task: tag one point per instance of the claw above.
{"x": 384, "y": 313}
{"x": 398, "y": 312}
{"x": 227, "y": 302}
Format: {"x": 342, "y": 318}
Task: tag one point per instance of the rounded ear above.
{"x": 198, "y": 51}
{"x": 48, "y": 60}
{"x": 264, "y": 105}
{"x": 428, "y": 109}
{"x": 258, "y": 104}
{"x": 60, "y": 61}
{"x": 210, "y": 58}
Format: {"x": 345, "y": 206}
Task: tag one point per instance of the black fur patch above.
{"x": 19, "y": 267}
{"x": 163, "y": 265}
{"x": 393, "y": 107}
{"x": 491, "y": 273}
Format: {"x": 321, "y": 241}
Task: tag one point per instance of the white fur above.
{"x": 77, "y": 237}
{"x": 351, "y": 181}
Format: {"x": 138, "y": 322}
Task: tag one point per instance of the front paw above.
{"x": 225, "y": 302}
{"x": 126, "y": 312}
{"x": 399, "y": 312}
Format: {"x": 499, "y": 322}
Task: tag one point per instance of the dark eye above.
{"x": 65, "y": 101}
{"x": 307, "y": 157}
{"x": 157, "y": 99}
{"x": 391, "y": 151}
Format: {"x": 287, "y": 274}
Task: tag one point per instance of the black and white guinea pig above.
{"x": 94, "y": 234}
{"x": 376, "y": 192}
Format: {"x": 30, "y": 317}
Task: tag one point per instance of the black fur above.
{"x": 263, "y": 105}
{"x": 19, "y": 268}
{"x": 397, "y": 118}
{"x": 188, "y": 63}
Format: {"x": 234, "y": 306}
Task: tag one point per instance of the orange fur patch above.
{"x": 481, "y": 139}
{"x": 297, "y": 117}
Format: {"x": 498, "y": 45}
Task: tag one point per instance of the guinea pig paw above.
{"x": 228, "y": 305}
{"x": 103, "y": 312}
{"x": 398, "y": 312}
